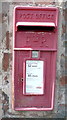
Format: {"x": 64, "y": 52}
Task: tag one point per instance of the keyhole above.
{"x": 22, "y": 79}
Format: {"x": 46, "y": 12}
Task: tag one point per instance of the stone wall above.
{"x": 6, "y": 39}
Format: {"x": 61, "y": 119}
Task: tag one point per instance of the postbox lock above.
{"x": 35, "y": 54}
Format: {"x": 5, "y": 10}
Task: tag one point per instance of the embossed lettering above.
{"x": 37, "y": 16}
{"x": 35, "y": 37}
{"x": 26, "y": 16}
{"x": 44, "y": 16}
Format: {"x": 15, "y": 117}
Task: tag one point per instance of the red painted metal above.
{"x": 34, "y": 28}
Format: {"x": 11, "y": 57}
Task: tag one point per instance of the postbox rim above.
{"x": 35, "y": 7}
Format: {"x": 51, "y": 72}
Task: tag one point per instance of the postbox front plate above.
{"x": 34, "y": 57}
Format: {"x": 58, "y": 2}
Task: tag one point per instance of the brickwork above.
{"x": 6, "y": 38}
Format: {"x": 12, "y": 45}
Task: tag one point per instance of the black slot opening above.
{"x": 35, "y": 28}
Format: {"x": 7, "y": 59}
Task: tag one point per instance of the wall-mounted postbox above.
{"x": 34, "y": 57}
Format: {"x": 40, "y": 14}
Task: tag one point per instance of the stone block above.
{"x": 5, "y": 61}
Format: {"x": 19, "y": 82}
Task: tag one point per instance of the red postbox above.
{"x": 34, "y": 57}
